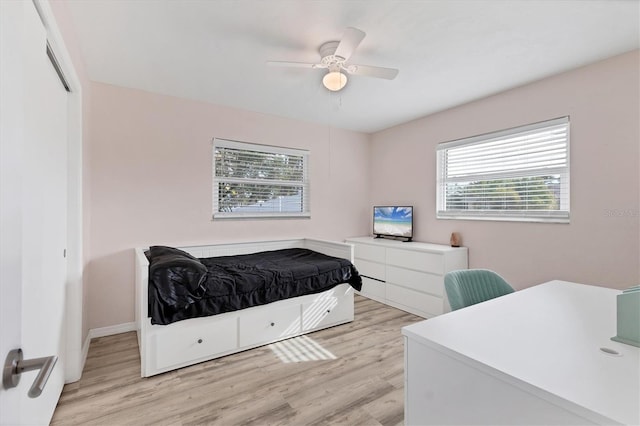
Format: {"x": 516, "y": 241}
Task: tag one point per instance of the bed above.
{"x": 180, "y": 337}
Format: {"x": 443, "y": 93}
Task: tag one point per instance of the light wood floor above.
{"x": 360, "y": 382}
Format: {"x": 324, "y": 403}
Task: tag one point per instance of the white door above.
{"x": 33, "y": 200}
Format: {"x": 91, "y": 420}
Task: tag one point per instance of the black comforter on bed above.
{"x": 182, "y": 286}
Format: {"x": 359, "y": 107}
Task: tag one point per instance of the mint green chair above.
{"x": 467, "y": 287}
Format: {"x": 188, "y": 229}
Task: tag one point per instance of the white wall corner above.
{"x": 75, "y": 361}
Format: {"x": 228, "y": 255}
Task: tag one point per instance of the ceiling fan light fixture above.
{"x": 334, "y": 80}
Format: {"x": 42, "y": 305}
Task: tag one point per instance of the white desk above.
{"x": 531, "y": 357}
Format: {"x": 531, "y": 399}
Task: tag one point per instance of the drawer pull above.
{"x": 272, "y": 324}
{"x": 199, "y": 340}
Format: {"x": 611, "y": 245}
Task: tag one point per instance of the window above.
{"x": 517, "y": 174}
{"x": 259, "y": 181}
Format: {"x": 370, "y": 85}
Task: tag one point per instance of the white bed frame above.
{"x": 168, "y": 347}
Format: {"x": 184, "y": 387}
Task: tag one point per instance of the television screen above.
{"x": 395, "y": 221}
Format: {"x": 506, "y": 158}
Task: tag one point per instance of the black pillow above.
{"x": 164, "y": 251}
{"x": 182, "y": 267}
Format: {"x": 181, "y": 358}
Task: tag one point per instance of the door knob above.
{"x": 15, "y": 365}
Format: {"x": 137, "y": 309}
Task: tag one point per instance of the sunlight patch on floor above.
{"x": 300, "y": 349}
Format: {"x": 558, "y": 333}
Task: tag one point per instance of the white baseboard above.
{"x": 111, "y": 330}
{"x": 77, "y": 375}
{"x": 85, "y": 348}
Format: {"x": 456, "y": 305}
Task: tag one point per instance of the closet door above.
{"x": 33, "y": 210}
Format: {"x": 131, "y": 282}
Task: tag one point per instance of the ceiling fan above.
{"x": 334, "y": 56}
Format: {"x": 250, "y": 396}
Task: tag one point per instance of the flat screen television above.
{"x": 393, "y": 221}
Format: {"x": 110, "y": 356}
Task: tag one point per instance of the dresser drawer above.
{"x": 370, "y": 269}
{"x": 373, "y": 288}
{"x": 194, "y": 341}
{"x": 369, "y": 252}
{"x": 413, "y": 299}
{"x": 416, "y": 280}
{"x": 264, "y": 326}
{"x": 418, "y": 260}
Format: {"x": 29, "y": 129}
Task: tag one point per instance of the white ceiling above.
{"x": 448, "y": 52}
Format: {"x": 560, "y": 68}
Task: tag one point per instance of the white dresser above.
{"x": 530, "y": 357}
{"x": 406, "y": 275}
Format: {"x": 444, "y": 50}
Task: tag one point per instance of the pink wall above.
{"x": 150, "y": 163}
{"x": 601, "y": 244}
{"x": 151, "y": 181}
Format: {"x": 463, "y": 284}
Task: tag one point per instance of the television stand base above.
{"x": 392, "y": 237}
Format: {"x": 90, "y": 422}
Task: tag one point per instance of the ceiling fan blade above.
{"x": 350, "y": 41}
{"x": 369, "y": 71}
{"x": 294, "y": 64}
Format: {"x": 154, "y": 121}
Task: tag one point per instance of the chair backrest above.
{"x": 467, "y": 287}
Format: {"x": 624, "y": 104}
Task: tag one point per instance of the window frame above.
{"x": 263, "y": 149}
{"x": 562, "y": 215}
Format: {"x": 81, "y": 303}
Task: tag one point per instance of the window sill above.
{"x": 258, "y": 216}
{"x": 485, "y": 217}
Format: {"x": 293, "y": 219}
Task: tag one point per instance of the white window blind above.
{"x": 252, "y": 180}
{"x": 515, "y": 174}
